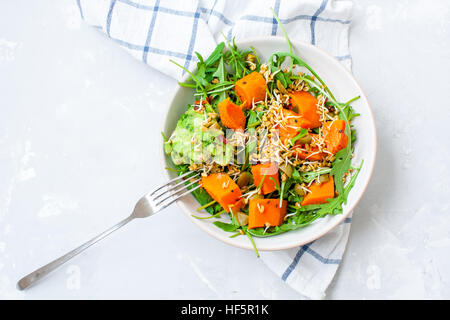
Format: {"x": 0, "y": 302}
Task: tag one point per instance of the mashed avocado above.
{"x": 190, "y": 144}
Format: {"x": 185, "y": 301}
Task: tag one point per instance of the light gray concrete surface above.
{"x": 78, "y": 124}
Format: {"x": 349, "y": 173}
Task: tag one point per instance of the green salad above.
{"x": 273, "y": 145}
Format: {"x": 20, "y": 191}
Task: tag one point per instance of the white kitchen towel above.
{"x": 156, "y": 31}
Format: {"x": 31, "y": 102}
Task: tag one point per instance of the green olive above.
{"x": 216, "y": 126}
{"x": 324, "y": 178}
{"x": 281, "y": 87}
{"x": 286, "y": 168}
{"x": 257, "y": 196}
{"x": 251, "y": 57}
{"x": 242, "y": 218}
{"x": 243, "y": 179}
{"x": 305, "y": 139}
{"x": 299, "y": 190}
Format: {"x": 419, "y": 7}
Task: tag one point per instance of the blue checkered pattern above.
{"x": 307, "y": 248}
{"x": 155, "y": 31}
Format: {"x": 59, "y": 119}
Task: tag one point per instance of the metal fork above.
{"x": 148, "y": 205}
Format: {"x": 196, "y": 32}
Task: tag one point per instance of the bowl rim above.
{"x": 343, "y": 216}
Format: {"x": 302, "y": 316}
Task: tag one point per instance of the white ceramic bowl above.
{"x": 344, "y": 87}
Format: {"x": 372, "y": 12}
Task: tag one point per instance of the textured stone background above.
{"x": 78, "y": 122}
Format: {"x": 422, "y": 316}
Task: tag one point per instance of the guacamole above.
{"x": 192, "y": 142}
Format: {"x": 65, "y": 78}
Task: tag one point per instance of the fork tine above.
{"x": 174, "y": 187}
{"x": 174, "y": 180}
{"x": 181, "y": 195}
{"x": 174, "y": 193}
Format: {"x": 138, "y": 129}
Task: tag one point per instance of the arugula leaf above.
{"x": 285, "y": 36}
{"x": 200, "y": 74}
{"x": 187, "y": 85}
{"x": 228, "y": 227}
{"x": 253, "y": 242}
{"x": 236, "y": 59}
{"x": 221, "y": 74}
{"x": 309, "y": 176}
{"x": 302, "y": 63}
{"x": 215, "y": 55}
{"x": 197, "y": 80}
{"x": 296, "y": 175}
{"x": 303, "y": 132}
{"x": 294, "y": 197}
{"x": 254, "y": 118}
{"x": 292, "y": 223}
{"x": 341, "y": 165}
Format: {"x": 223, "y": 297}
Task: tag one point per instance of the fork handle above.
{"x": 37, "y": 275}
